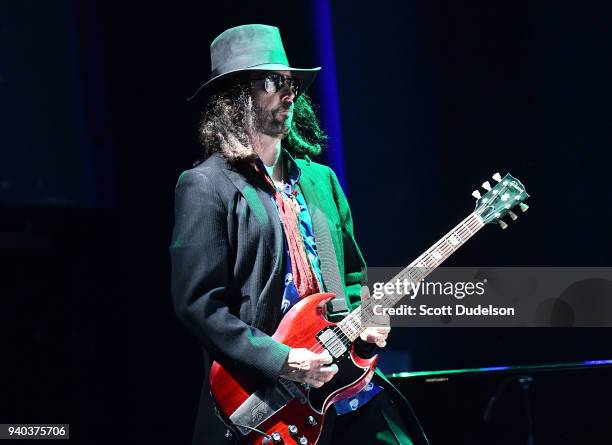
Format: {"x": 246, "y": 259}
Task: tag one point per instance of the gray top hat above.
{"x": 250, "y": 48}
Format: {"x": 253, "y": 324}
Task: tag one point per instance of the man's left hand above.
{"x": 377, "y": 335}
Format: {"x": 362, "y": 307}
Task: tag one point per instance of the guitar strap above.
{"x": 329, "y": 265}
{"x": 336, "y": 308}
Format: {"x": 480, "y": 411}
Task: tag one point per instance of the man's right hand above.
{"x": 305, "y": 366}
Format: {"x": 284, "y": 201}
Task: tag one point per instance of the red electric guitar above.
{"x": 292, "y": 413}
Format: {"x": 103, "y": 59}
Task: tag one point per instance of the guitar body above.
{"x": 272, "y": 408}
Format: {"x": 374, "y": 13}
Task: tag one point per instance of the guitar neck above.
{"x": 354, "y": 323}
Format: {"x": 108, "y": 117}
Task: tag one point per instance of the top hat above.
{"x": 250, "y": 48}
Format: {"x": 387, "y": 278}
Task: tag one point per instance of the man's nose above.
{"x": 288, "y": 95}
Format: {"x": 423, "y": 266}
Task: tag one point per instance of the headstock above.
{"x": 499, "y": 200}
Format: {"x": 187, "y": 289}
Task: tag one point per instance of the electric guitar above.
{"x": 293, "y": 413}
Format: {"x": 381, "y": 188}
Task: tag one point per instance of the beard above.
{"x": 275, "y": 122}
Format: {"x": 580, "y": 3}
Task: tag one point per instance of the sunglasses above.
{"x": 273, "y": 83}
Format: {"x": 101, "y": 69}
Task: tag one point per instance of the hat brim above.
{"x": 306, "y": 76}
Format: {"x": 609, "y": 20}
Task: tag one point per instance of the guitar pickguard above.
{"x": 348, "y": 374}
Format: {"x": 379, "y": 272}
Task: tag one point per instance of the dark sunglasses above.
{"x": 273, "y": 82}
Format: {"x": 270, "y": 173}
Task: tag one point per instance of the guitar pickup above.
{"x": 333, "y": 341}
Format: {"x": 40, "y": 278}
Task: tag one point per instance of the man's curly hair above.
{"x": 228, "y": 121}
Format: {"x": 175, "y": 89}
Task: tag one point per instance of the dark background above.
{"x": 434, "y": 98}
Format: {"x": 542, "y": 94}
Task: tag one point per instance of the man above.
{"x": 251, "y": 225}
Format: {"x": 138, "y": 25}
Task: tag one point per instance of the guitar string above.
{"x": 442, "y": 246}
{"x": 462, "y": 230}
{"x": 464, "y": 227}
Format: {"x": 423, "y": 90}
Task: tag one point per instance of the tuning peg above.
{"x": 512, "y": 215}
{"x": 502, "y": 224}
{"x": 497, "y": 177}
{"x": 476, "y": 194}
{"x": 523, "y": 206}
{"x": 486, "y": 185}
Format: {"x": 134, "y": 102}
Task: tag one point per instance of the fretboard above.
{"x": 354, "y": 323}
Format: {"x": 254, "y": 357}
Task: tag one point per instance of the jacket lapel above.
{"x": 265, "y": 213}
{"x": 260, "y": 204}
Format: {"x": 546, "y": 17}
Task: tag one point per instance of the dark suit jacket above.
{"x": 226, "y": 254}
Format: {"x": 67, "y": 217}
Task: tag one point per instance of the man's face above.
{"x": 274, "y": 111}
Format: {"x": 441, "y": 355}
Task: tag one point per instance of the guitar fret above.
{"x": 460, "y": 234}
{"x": 352, "y": 325}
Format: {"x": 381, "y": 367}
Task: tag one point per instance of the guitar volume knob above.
{"x": 293, "y": 430}
{"x": 303, "y": 441}
{"x": 276, "y": 437}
